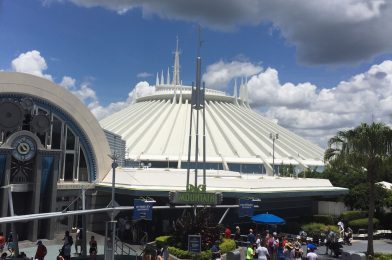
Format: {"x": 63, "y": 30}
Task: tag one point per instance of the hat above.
{"x": 237, "y": 227}
{"x": 274, "y": 234}
{"x": 39, "y": 242}
{"x": 250, "y": 230}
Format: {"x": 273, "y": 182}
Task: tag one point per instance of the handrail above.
{"x": 144, "y": 239}
{"x": 125, "y": 249}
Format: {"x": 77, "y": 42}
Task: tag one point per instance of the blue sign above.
{"x": 246, "y": 208}
{"x": 194, "y": 243}
{"x": 142, "y": 209}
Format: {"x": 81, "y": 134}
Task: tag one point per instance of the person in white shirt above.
{"x": 311, "y": 255}
{"x": 262, "y": 252}
{"x": 341, "y": 228}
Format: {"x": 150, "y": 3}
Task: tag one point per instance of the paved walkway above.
{"x": 53, "y": 246}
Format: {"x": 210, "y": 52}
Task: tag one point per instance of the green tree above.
{"x": 366, "y": 147}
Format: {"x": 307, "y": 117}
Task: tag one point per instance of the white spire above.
{"x": 242, "y": 89}
{"x": 235, "y": 88}
{"x": 157, "y": 80}
{"x": 162, "y": 78}
{"x": 168, "y": 76}
{"x": 176, "y": 69}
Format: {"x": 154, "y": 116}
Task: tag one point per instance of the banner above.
{"x": 246, "y": 208}
{"x": 142, "y": 210}
{"x": 47, "y": 168}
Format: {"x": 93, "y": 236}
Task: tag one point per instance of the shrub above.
{"x": 362, "y": 223}
{"x": 325, "y": 219}
{"x": 352, "y": 215}
{"x": 314, "y": 228}
{"x": 385, "y": 220}
{"x": 227, "y": 245}
{"x": 182, "y": 254}
{"x": 380, "y": 256}
{"x": 162, "y": 241}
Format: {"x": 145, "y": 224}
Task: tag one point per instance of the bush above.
{"x": 162, "y": 241}
{"x": 325, "y": 219}
{"x": 379, "y": 256}
{"x": 362, "y": 223}
{"x": 385, "y": 220}
{"x": 179, "y": 253}
{"x": 227, "y": 245}
{"x": 183, "y": 254}
{"x": 316, "y": 228}
{"x": 352, "y": 215}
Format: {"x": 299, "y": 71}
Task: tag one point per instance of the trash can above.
{"x": 233, "y": 255}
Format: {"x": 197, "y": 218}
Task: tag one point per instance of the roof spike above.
{"x": 176, "y": 68}
{"x": 235, "y": 89}
{"x": 168, "y": 76}
{"x": 157, "y": 80}
{"x": 162, "y": 78}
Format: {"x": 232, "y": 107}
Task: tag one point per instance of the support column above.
{"x": 35, "y": 199}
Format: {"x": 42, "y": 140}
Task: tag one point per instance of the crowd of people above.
{"x": 9, "y": 244}
{"x": 269, "y": 245}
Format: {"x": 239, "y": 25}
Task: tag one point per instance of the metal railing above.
{"x": 122, "y": 248}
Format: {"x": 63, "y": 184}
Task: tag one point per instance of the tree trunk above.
{"x": 370, "y": 249}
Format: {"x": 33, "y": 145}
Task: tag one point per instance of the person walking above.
{"x": 68, "y": 241}
{"x": 311, "y": 255}
{"x": 78, "y": 241}
{"x": 251, "y": 237}
{"x": 93, "y": 248}
{"x": 249, "y": 252}
{"x": 41, "y": 251}
{"x": 262, "y": 252}
{"x": 2, "y": 242}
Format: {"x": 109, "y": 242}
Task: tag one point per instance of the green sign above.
{"x": 195, "y": 195}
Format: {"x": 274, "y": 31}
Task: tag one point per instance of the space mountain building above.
{"x": 156, "y": 129}
{"x": 54, "y": 156}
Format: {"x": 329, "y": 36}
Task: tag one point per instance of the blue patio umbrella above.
{"x": 266, "y": 218}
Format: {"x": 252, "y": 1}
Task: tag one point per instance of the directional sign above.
{"x": 246, "y": 208}
{"x": 194, "y": 243}
{"x": 142, "y": 210}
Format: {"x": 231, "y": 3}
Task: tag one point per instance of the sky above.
{"x": 314, "y": 67}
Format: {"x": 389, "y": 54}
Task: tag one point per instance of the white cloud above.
{"x": 68, "y": 82}
{"x": 31, "y": 62}
{"x": 219, "y": 74}
{"x": 318, "y": 114}
{"x": 323, "y": 31}
{"x": 141, "y": 89}
{"x": 144, "y": 75}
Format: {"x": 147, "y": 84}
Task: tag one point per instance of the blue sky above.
{"x": 102, "y": 46}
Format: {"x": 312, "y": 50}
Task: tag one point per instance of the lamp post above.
{"x": 273, "y": 136}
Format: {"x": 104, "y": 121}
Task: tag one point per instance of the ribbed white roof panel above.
{"x": 156, "y": 127}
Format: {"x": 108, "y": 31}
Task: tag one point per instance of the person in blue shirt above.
{"x": 216, "y": 254}
{"x": 251, "y": 237}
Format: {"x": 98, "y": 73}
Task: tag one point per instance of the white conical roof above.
{"x": 156, "y": 128}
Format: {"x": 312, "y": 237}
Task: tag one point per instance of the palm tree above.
{"x": 366, "y": 147}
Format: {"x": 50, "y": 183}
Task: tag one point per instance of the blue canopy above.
{"x": 268, "y": 219}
